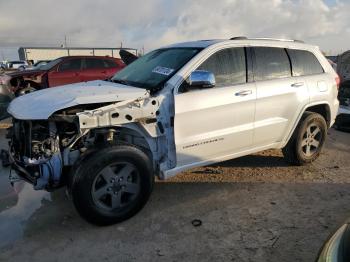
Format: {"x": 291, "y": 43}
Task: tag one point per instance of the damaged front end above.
{"x": 43, "y": 151}
{"x": 49, "y": 135}
{"x": 35, "y": 153}
{"x": 17, "y": 84}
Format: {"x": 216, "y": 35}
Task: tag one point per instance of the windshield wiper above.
{"x": 120, "y": 81}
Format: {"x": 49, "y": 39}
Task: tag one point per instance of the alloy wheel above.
{"x": 311, "y": 141}
{"x": 116, "y": 186}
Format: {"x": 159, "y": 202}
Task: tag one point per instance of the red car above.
{"x": 66, "y": 70}
{"x": 61, "y": 71}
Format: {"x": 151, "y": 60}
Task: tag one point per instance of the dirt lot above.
{"x": 256, "y": 208}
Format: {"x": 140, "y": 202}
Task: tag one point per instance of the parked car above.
{"x": 343, "y": 68}
{"x": 175, "y": 108}
{"x": 38, "y": 64}
{"x": 343, "y": 119}
{"x": 337, "y": 247}
{"x": 333, "y": 58}
{"x": 2, "y": 67}
{"x": 62, "y": 71}
{"x": 19, "y": 65}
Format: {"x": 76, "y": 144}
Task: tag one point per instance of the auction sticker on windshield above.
{"x": 162, "y": 70}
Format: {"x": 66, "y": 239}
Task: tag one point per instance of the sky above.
{"x": 155, "y": 23}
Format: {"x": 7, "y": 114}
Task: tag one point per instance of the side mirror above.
{"x": 201, "y": 79}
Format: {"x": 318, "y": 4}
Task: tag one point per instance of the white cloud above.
{"x": 312, "y": 21}
{"x": 154, "y": 23}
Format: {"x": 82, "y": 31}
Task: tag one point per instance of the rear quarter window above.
{"x": 110, "y": 63}
{"x": 304, "y": 63}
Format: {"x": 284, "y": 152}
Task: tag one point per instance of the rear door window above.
{"x": 271, "y": 63}
{"x": 70, "y": 65}
{"x": 228, "y": 66}
{"x": 93, "y": 63}
{"x": 304, "y": 63}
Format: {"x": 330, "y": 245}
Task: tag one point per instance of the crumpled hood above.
{"x": 43, "y": 103}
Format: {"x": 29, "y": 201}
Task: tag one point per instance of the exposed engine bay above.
{"x": 36, "y": 151}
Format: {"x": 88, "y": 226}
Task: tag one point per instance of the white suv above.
{"x": 19, "y": 65}
{"x": 175, "y": 108}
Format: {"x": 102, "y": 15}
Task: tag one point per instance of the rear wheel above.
{"x": 112, "y": 184}
{"x": 308, "y": 139}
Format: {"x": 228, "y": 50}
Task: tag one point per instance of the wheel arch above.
{"x": 321, "y": 108}
{"x": 129, "y": 134}
{"x": 133, "y": 134}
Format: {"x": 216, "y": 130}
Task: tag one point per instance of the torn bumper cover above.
{"x": 43, "y": 175}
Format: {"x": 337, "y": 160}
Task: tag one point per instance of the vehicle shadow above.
{"x": 255, "y": 161}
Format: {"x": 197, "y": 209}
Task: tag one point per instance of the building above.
{"x": 49, "y": 53}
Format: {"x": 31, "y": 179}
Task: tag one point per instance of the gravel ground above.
{"x": 255, "y": 208}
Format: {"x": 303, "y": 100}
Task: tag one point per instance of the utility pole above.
{"x": 65, "y": 41}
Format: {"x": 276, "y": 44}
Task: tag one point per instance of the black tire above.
{"x": 300, "y": 149}
{"x": 89, "y": 172}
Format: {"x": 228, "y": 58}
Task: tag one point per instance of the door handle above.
{"x": 244, "y": 93}
{"x": 299, "y": 84}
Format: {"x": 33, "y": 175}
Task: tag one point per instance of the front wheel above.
{"x": 308, "y": 139}
{"x": 112, "y": 184}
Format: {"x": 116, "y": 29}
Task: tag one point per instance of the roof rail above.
{"x": 239, "y": 38}
{"x": 266, "y": 38}
{"x": 277, "y": 39}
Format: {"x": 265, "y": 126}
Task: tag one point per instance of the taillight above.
{"x": 337, "y": 80}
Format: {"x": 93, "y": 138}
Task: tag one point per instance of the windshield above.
{"x": 152, "y": 70}
{"x": 51, "y": 64}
